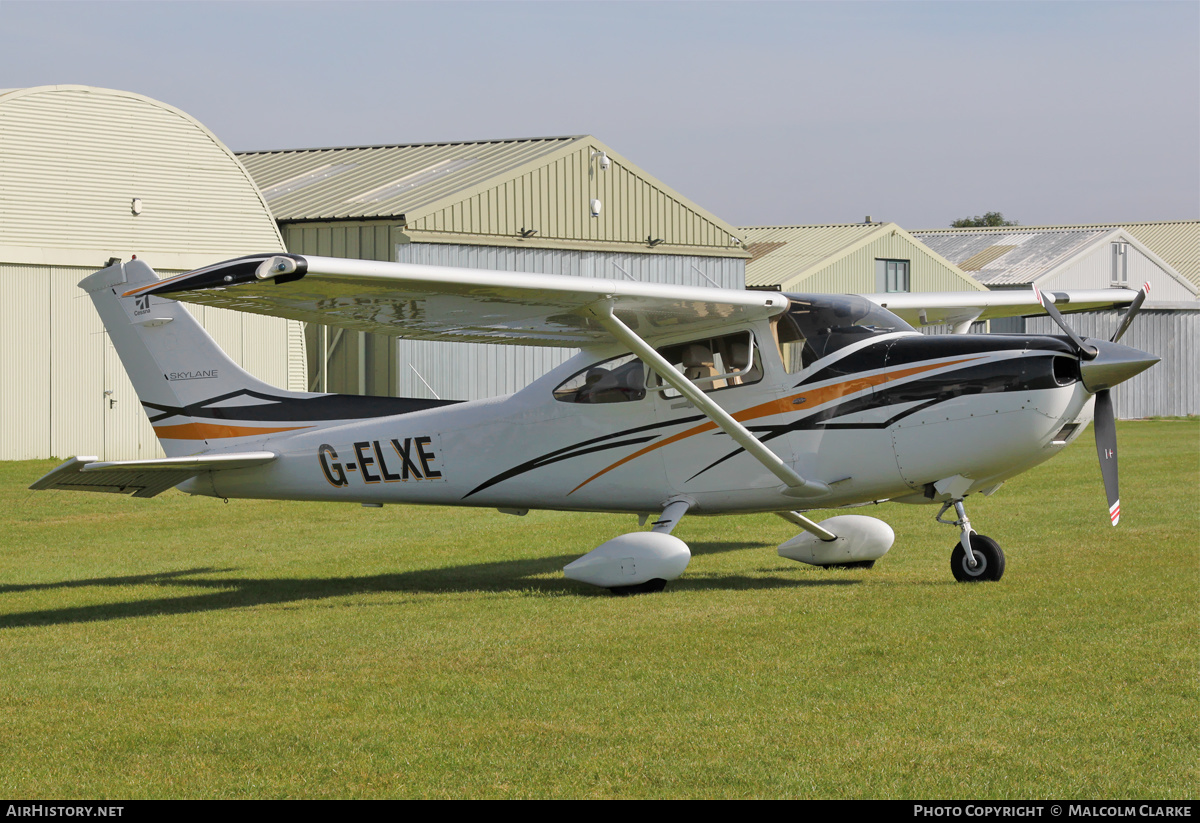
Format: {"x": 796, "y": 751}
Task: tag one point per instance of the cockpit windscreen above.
{"x": 828, "y": 322}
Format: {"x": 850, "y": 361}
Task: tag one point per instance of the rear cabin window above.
{"x": 617, "y": 380}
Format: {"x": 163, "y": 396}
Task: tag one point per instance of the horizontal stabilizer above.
{"x": 142, "y": 478}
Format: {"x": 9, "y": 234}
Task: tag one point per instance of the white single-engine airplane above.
{"x": 708, "y": 401}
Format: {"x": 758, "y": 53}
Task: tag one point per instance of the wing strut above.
{"x": 797, "y": 486}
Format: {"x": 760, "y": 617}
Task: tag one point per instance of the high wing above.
{"x": 142, "y": 478}
{"x": 474, "y": 305}
{"x": 465, "y": 305}
{"x": 961, "y": 308}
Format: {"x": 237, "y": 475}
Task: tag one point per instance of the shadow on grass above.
{"x": 129, "y": 580}
{"x": 243, "y": 592}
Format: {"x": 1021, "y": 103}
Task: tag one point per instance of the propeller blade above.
{"x": 1085, "y": 351}
{"x": 1131, "y": 312}
{"x": 1106, "y": 450}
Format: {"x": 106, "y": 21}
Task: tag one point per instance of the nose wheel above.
{"x": 986, "y": 559}
{"x": 989, "y": 560}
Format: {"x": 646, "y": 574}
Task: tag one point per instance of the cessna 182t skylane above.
{"x": 698, "y": 400}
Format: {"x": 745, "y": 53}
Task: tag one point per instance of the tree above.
{"x": 992, "y": 218}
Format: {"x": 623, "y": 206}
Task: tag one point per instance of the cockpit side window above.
{"x": 713, "y": 363}
{"x": 616, "y": 380}
{"x": 794, "y": 350}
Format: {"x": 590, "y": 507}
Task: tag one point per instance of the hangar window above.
{"x": 1120, "y": 264}
{"x": 892, "y": 276}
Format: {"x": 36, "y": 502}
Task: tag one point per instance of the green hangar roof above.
{"x": 539, "y": 192}
{"x": 843, "y": 258}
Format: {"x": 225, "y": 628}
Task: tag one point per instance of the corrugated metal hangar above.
{"x": 1097, "y": 257}
{"x": 90, "y": 174}
{"x": 1059, "y": 258}
{"x": 1173, "y": 242}
{"x": 570, "y": 205}
{"x": 563, "y": 205}
{"x": 856, "y": 258}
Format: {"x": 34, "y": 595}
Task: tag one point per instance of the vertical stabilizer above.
{"x": 174, "y": 365}
{"x": 196, "y": 397}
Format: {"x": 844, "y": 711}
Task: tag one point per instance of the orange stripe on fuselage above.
{"x": 215, "y": 431}
{"x": 810, "y": 399}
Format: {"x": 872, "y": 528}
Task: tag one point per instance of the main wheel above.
{"x": 989, "y": 560}
{"x": 656, "y": 584}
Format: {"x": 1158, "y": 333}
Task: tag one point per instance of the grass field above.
{"x": 181, "y": 647}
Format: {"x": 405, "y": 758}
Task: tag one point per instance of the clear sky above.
{"x": 764, "y": 113}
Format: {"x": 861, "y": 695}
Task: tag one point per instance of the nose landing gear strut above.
{"x": 975, "y": 557}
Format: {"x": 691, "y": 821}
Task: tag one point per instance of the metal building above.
{"x": 1097, "y": 257}
{"x": 563, "y": 205}
{"x": 1174, "y": 242}
{"x": 850, "y": 258}
{"x": 89, "y": 174}
{"x": 854, "y": 258}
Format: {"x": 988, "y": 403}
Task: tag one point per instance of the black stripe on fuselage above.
{"x": 1022, "y": 372}
{"x": 292, "y": 409}
{"x": 902, "y": 351}
{"x": 906, "y": 350}
{"x": 596, "y": 444}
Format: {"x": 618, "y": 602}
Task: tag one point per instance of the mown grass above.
{"x": 180, "y": 647}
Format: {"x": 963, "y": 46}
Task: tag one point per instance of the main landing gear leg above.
{"x": 975, "y": 557}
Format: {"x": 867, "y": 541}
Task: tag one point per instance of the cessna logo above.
{"x": 141, "y": 304}
{"x": 411, "y": 459}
